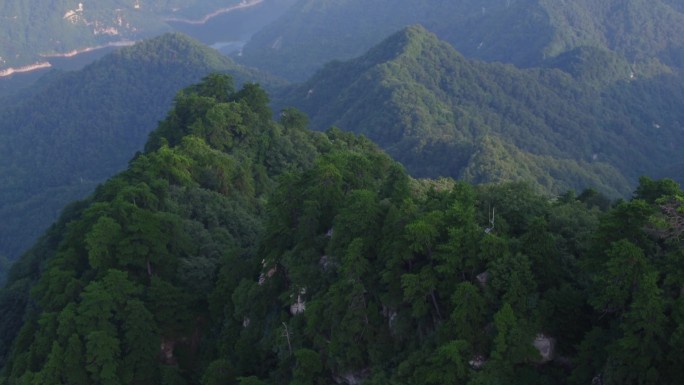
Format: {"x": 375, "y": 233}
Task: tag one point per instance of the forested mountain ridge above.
{"x": 648, "y": 34}
{"x": 441, "y": 114}
{"x": 239, "y": 250}
{"x": 32, "y": 32}
{"x": 644, "y": 32}
{"x": 200, "y": 186}
{"x": 73, "y": 130}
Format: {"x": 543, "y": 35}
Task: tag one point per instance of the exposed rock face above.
{"x": 352, "y": 378}
{"x": 477, "y": 362}
{"x": 166, "y": 351}
{"x": 483, "y": 278}
{"x": 299, "y": 306}
{"x": 546, "y": 347}
{"x": 325, "y": 263}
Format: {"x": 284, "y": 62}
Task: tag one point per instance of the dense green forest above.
{"x": 73, "y": 130}
{"x": 30, "y": 30}
{"x": 463, "y": 206}
{"x": 591, "y": 124}
{"x": 647, "y": 33}
{"x": 240, "y": 250}
{"x": 586, "y": 123}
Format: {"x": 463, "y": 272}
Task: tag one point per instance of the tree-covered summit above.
{"x": 242, "y": 250}
{"x": 73, "y": 130}
{"x": 646, "y": 33}
{"x": 127, "y": 266}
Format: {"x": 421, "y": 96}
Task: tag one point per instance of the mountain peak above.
{"x": 174, "y": 47}
{"x": 411, "y": 41}
{"x": 648, "y": 33}
{"x": 417, "y": 32}
{"x": 80, "y": 127}
{"x": 428, "y": 107}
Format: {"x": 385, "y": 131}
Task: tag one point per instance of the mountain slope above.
{"x": 523, "y": 32}
{"x": 433, "y": 110}
{"x": 240, "y": 250}
{"x": 78, "y": 128}
{"x": 150, "y": 242}
{"x": 642, "y": 31}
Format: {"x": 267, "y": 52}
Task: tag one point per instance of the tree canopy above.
{"x": 242, "y": 250}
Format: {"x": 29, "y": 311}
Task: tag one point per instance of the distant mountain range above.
{"x": 440, "y": 114}
{"x": 586, "y": 120}
{"x": 649, "y": 34}
{"x": 75, "y": 129}
{"x": 32, "y": 33}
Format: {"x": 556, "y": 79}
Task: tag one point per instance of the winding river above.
{"x": 226, "y": 29}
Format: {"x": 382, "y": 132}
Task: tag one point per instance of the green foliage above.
{"x": 236, "y": 249}
{"x": 441, "y": 114}
{"x": 74, "y": 130}
{"x": 134, "y": 267}
{"x": 526, "y": 33}
{"x": 650, "y": 190}
{"x": 511, "y": 344}
{"x": 636, "y": 356}
{"x": 308, "y": 367}
{"x": 219, "y": 372}
{"x": 101, "y": 353}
